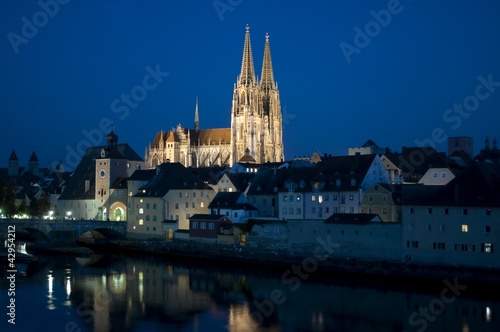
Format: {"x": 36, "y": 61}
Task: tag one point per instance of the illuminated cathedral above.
{"x": 256, "y": 129}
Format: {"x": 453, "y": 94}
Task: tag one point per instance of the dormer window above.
{"x": 353, "y": 182}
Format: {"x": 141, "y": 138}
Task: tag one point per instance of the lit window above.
{"x": 141, "y": 200}
{"x": 201, "y": 204}
{"x": 298, "y": 198}
{"x": 487, "y": 247}
{"x": 141, "y": 211}
{"x": 141, "y": 222}
{"x": 320, "y": 199}
{"x": 313, "y": 198}
{"x": 465, "y": 228}
{"x": 134, "y": 227}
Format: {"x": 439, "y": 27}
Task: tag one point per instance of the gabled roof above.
{"x": 210, "y": 217}
{"x": 225, "y": 200}
{"x": 142, "y": 175}
{"x": 353, "y": 218}
{"x": 266, "y": 180}
{"x": 231, "y": 201}
{"x": 171, "y": 176}
{"x": 338, "y": 173}
{"x": 478, "y": 185}
{"x": 240, "y": 180}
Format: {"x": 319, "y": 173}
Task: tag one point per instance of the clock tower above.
{"x": 109, "y": 168}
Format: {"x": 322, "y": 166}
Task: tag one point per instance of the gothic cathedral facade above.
{"x": 256, "y": 125}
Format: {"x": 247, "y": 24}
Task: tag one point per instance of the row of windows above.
{"x": 290, "y": 198}
{"x": 325, "y": 198}
{"x": 186, "y": 194}
{"x": 485, "y": 247}
{"x": 290, "y": 211}
{"x": 384, "y": 198}
{"x": 203, "y": 225}
{"x": 442, "y": 228}
{"x": 446, "y": 211}
{"x": 147, "y": 228}
{"x": 120, "y": 193}
{"x": 187, "y": 205}
{"x": 148, "y": 218}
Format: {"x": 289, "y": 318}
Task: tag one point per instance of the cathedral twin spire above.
{"x": 247, "y": 76}
{"x": 256, "y": 112}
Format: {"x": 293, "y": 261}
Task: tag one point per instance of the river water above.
{"x": 124, "y": 293}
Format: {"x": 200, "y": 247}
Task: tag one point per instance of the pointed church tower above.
{"x": 196, "y": 118}
{"x": 256, "y": 111}
{"x": 271, "y": 108}
{"x": 13, "y": 164}
{"x": 33, "y": 165}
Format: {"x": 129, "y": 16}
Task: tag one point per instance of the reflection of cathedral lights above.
{"x": 68, "y": 286}
{"x": 240, "y": 319}
{"x": 317, "y": 322}
{"x": 465, "y": 327}
{"x": 103, "y": 277}
{"x": 118, "y": 283}
{"x": 488, "y": 314}
{"x": 141, "y": 286}
{"x": 50, "y": 304}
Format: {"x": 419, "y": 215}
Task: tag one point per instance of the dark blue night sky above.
{"x": 395, "y": 82}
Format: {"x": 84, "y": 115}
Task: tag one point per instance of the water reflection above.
{"x": 109, "y": 293}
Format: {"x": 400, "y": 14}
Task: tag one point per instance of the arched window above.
{"x": 154, "y": 218}
{"x": 154, "y": 206}
{"x": 147, "y": 218}
{"x": 141, "y": 211}
{"x": 147, "y": 206}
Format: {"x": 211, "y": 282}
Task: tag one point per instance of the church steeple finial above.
{"x": 196, "y": 117}
{"x": 487, "y": 143}
{"x": 247, "y": 75}
{"x": 267, "y": 77}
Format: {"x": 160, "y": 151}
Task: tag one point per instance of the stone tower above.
{"x": 256, "y": 111}
{"x": 13, "y": 165}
